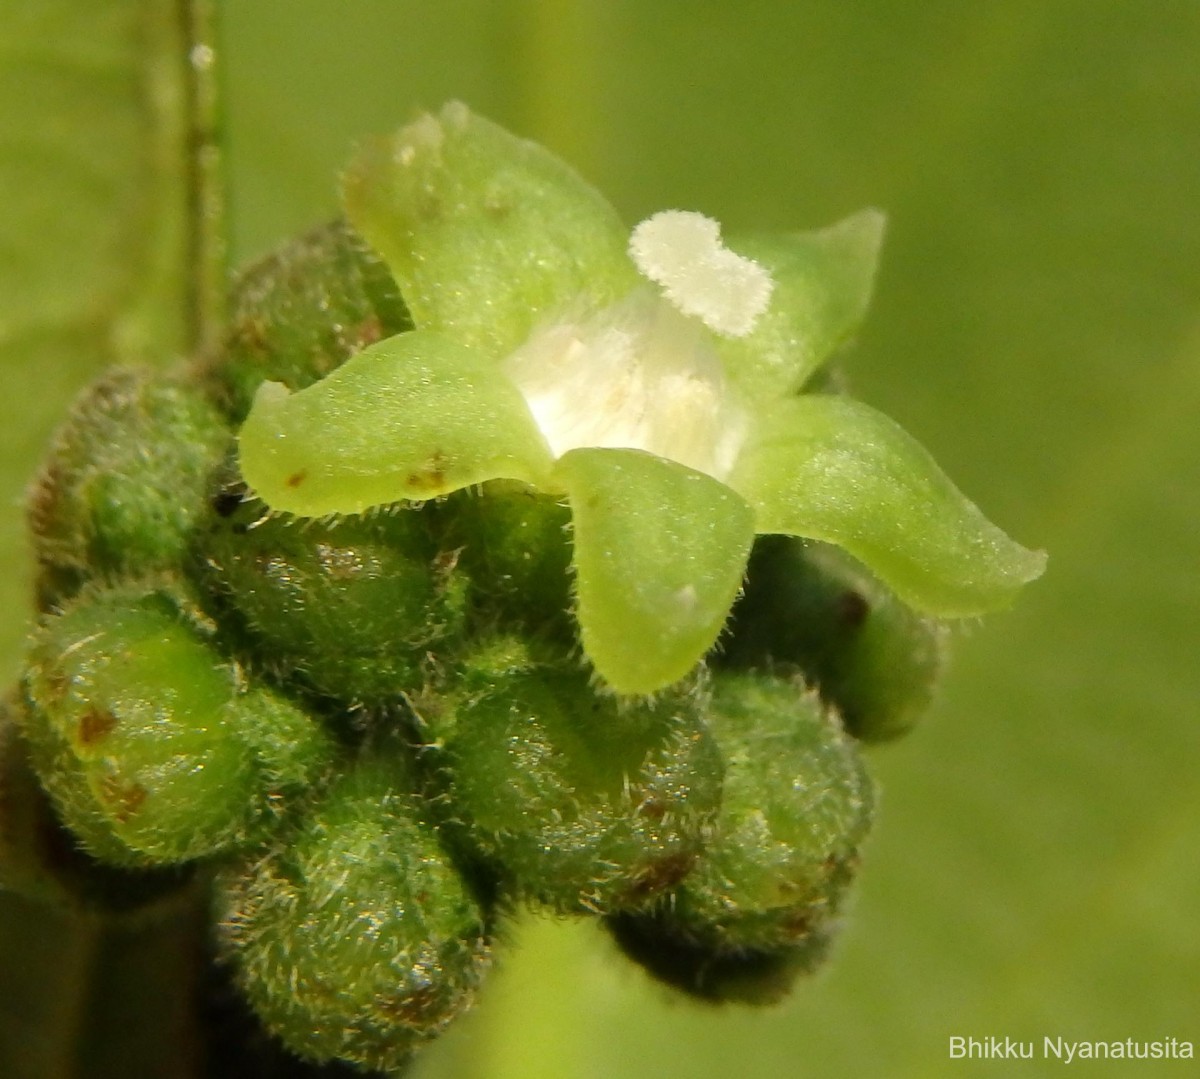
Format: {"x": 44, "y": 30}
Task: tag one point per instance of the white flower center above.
{"x": 638, "y": 375}
{"x": 643, "y": 374}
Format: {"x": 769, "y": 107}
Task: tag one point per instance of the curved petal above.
{"x": 832, "y": 469}
{"x": 660, "y": 550}
{"x": 485, "y": 233}
{"x": 414, "y": 416}
{"x": 822, "y": 286}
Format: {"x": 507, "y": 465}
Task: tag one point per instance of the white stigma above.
{"x": 682, "y": 252}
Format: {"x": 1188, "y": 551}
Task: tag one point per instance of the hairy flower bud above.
{"x": 514, "y": 544}
{"x": 355, "y": 937}
{"x": 811, "y": 607}
{"x": 761, "y": 904}
{"x": 123, "y": 482}
{"x": 356, "y": 608}
{"x": 149, "y": 743}
{"x": 577, "y": 800}
{"x": 301, "y": 312}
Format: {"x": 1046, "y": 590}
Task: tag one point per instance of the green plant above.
{"x": 381, "y": 670}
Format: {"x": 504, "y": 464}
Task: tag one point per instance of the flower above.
{"x": 661, "y": 382}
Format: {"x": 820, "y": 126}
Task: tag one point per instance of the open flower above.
{"x": 657, "y": 382}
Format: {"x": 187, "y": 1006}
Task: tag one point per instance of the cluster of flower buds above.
{"x": 495, "y": 558}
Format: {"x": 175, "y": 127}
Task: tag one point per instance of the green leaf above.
{"x": 414, "y": 416}
{"x": 833, "y": 469}
{"x": 101, "y": 145}
{"x": 486, "y": 233}
{"x": 105, "y": 206}
{"x": 823, "y": 284}
{"x": 659, "y": 555}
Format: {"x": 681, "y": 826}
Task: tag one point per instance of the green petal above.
{"x": 823, "y": 283}
{"x": 414, "y": 416}
{"x": 659, "y": 554}
{"x": 832, "y": 469}
{"x": 485, "y": 233}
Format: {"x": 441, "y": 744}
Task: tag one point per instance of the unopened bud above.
{"x": 761, "y": 904}
{"x": 356, "y": 608}
{"x": 355, "y": 937}
{"x": 123, "y": 482}
{"x": 811, "y": 608}
{"x": 149, "y": 743}
{"x": 300, "y": 313}
{"x": 578, "y": 800}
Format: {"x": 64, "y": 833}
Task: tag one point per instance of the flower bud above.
{"x": 356, "y": 607}
{"x": 123, "y": 482}
{"x": 581, "y": 801}
{"x": 149, "y": 743}
{"x": 514, "y": 544}
{"x": 760, "y": 905}
{"x": 356, "y": 938}
{"x": 810, "y": 606}
{"x": 301, "y": 312}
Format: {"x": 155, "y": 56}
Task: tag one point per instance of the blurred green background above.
{"x": 1035, "y": 869}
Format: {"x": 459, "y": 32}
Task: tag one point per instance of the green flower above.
{"x": 659, "y": 382}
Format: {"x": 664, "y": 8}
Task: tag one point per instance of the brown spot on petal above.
{"x": 431, "y": 477}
